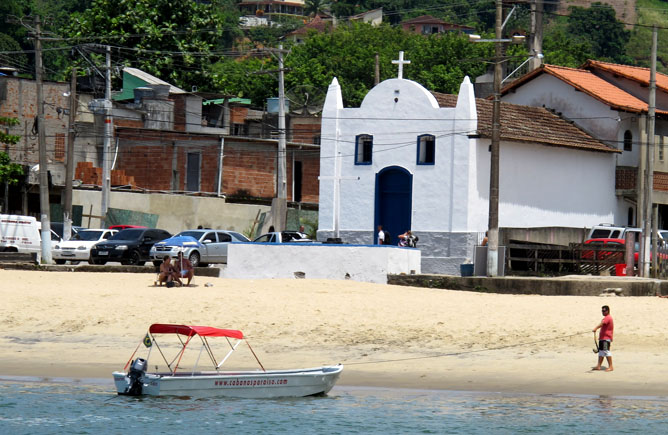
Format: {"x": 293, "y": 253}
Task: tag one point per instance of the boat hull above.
{"x": 247, "y": 384}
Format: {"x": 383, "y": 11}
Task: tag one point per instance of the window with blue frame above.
{"x": 363, "y": 149}
{"x": 426, "y": 149}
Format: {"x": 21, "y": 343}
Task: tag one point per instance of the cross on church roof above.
{"x": 401, "y": 62}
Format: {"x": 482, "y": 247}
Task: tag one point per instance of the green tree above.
{"x": 561, "y": 49}
{"x": 439, "y": 62}
{"x": 9, "y": 172}
{"x": 171, "y": 39}
{"x": 599, "y": 27}
{"x": 237, "y": 77}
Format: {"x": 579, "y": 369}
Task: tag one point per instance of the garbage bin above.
{"x": 620, "y": 269}
{"x": 466, "y": 269}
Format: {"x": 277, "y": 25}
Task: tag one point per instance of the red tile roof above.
{"x": 317, "y": 24}
{"x": 424, "y": 19}
{"x": 591, "y": 84}
{"x": 635, "y": 73}
{"x": 428, "y": 19}
{"x": 530, "y": 124}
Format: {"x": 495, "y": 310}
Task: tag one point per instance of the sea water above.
{"x": 92, "y": 407}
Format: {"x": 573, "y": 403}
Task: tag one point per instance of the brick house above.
{"x": 18, "y": 99}
{"x": 173, "y": 161}
{"x": 165, "y": 139}
{"x": 170, "y": 140}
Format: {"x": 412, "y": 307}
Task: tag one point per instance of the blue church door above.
{"x": 394, "y": 201}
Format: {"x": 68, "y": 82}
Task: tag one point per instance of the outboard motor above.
{"x": 137, "y": 370}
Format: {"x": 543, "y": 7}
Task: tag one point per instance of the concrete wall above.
{"x": 177, "y": 212}
{"x": 550, "y": 235}
{"x": 318, "y": 261}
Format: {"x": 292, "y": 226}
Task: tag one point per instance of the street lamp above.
{"x": 493, "y": 225}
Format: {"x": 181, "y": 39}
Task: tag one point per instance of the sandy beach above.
{"x": 86, "y": 325}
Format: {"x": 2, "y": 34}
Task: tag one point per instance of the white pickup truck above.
{"x": 610, "y": 231}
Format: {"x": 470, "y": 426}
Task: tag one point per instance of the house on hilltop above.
{"x": 410, "y": 159}
{"x": 428, "y": 25}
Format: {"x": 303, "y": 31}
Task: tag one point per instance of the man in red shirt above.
{"x": 605, "y": 339}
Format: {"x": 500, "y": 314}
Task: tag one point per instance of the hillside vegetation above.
{"x": 201, "y": 44}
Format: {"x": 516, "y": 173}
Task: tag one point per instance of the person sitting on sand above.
{"x": 167, "y": 271}
{"x": 185, "y": 268}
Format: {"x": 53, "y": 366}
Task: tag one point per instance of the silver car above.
{"x": 212, "y": 249}
{"x": 283, "y": 237}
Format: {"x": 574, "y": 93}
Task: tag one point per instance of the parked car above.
{"x": 283, "y": 237}
{"x": 79, "y": 246}
{"x": 59, "y": 228}
{"x": 130, "y": 246}
{"x": 212, "y": 249}
{"x": 616, "y": 249}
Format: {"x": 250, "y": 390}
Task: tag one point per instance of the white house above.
{"x": 410, "y": 159}
{"x": 610, "y": 102}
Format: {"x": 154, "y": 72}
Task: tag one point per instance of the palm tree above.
{"x": 312, "y": 7}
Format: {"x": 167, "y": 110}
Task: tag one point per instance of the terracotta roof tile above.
{"x": 591, "y": 84}
{"x": 529, "y": 124}
{"x": 635, "y": 73}
{"x": 423, "y": 19}
{"x": 317, "y": 24}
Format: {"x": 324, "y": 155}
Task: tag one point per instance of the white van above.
{"x": 19, "y": 234}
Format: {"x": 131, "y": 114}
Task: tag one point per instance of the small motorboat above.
{"x": 247, "y": 384}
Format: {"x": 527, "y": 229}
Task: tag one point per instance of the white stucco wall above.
{"x": 543, "y": 186}
{"x": 317, "y": 261}
{"x": 548, "y": 91}
{"x": 635, "y": 88}
{"x": 395, "y": 113}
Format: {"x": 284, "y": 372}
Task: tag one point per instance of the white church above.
{"x": 410, "y": 159}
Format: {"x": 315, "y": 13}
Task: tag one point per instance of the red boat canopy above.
{"x": 204, "y": 331}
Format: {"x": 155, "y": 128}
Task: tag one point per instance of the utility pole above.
{"x": 649, "y": 167}
{"x": 108, "y": 126}
{"x": 282, "y": 168}
{"x": 41, "y": 138}
{"x": 536, "y": 42}
{"x": 493, "y": 225}
{"x": 376, "y": 78}
{"x": 279, "y": 205}
{"x": 69, "y": 169}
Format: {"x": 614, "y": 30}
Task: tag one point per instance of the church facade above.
{"x": 410, "y": 159}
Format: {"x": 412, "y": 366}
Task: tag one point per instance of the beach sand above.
{"x": 86, "y": 325}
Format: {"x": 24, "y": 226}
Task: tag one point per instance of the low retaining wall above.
{"x": 563, "y": 286}
{"x": 367, "y": 263}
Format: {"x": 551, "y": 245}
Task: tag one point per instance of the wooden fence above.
{"x": 538, "y": 259}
